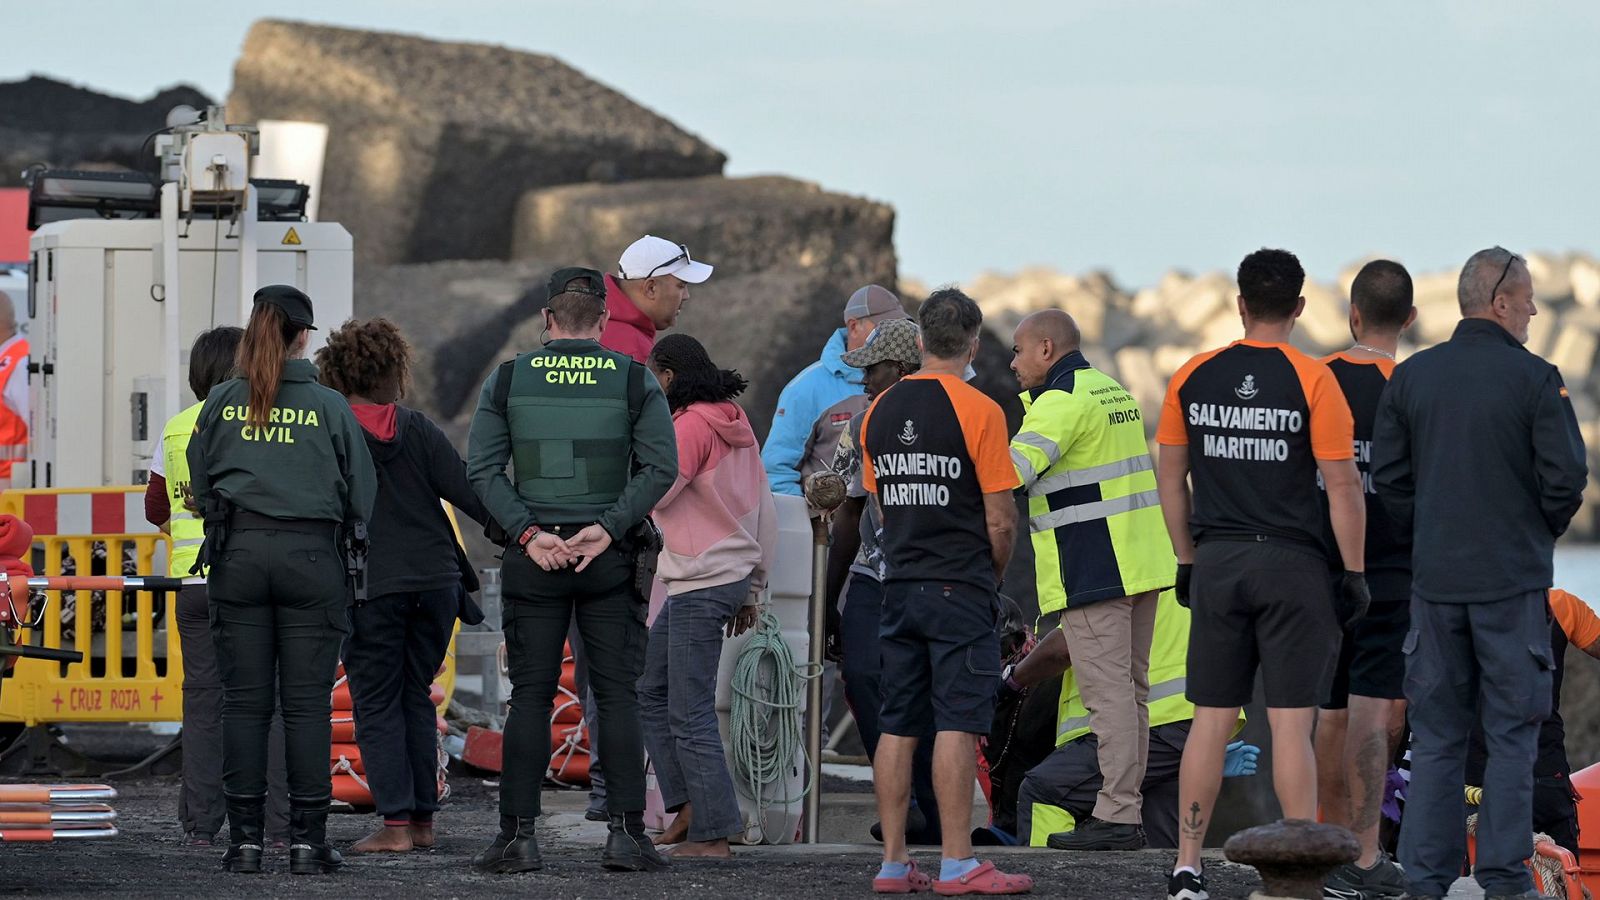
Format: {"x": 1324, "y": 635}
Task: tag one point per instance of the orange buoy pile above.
{"x": 344, "y": 756}
{"x": 54, "y": 812}
{"x": 569, "y": 737}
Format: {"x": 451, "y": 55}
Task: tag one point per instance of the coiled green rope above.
{"x": 764, "y": 719}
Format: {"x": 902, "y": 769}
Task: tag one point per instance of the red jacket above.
{"x": 629, "y": 330}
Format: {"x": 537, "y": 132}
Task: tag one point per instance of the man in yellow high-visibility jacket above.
{"x": 1101, "y": 552}
{"x": 1059, "y": 792}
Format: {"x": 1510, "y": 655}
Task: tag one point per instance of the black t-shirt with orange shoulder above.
{"x": 1256, "y": 417}
{"x": 1362, "y": 381}
{"x": 932, "y": 446}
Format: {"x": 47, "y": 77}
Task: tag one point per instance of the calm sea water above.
{"x": 1578, "y": 571}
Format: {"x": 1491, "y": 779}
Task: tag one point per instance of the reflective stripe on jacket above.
{"x": 1098, "y": 533}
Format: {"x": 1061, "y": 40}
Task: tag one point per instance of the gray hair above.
{"x": 1475, "y": 290}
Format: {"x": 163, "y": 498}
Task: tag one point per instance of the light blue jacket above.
{"x": 819, "y": 387}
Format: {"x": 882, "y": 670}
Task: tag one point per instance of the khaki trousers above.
{"x": 1110, "y": 646}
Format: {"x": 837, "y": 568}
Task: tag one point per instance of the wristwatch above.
{"x": 1006, "y": 676}
{"x": 528, "y": 535}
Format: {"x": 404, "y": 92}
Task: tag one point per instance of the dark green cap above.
{"x": 293, "y": 301}
{"x": 576, "y": 280}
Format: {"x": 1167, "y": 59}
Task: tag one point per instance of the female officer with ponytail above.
{"x": 278, "y": 466}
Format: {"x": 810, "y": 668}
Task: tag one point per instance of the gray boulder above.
{"x": 431, "y": 143}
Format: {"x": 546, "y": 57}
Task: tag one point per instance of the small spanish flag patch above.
{"x": 1564, "y": 391}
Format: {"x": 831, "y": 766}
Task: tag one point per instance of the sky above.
{"x": 1134, "y": 137}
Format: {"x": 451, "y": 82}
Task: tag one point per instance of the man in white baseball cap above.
{"x": 651, "y": 285}
{"x": 643, "y": 297}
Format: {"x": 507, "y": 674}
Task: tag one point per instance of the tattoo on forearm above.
{"x": 1194, "y": 825}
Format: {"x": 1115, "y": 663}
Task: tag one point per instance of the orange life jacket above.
{"x": 13, "y": 428}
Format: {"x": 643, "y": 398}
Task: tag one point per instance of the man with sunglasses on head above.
{"x": 644, "y": 297}
{"x": 1476, "y": 452}
{"x": 650, "y": 287}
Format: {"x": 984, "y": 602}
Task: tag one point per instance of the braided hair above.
{"x": 695, "y": 378}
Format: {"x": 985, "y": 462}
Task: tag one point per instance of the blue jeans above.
{"x": 678, "y": 707}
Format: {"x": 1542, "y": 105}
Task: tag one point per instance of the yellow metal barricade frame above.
{"x": 110, "y": 685}
{"x": 39, "y": 692}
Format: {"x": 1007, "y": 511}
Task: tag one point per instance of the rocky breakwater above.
{"x": 430, "y": 143}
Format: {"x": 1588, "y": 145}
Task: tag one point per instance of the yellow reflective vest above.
{"x": 185, "y": 527}
{"x": 1093, "y": 511}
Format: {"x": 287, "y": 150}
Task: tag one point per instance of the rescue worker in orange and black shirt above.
{"x": 1362, "y": 720}
{"x": 1255, "y": 423}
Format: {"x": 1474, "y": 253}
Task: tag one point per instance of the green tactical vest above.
{"x": 571, "y": 432}
{"x": 185, "y": 527}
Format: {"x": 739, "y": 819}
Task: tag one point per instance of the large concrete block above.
{"x": 431, "y": 143}
{"x": 740, "y": 225}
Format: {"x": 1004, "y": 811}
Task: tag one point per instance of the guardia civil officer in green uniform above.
{"x": 280, "y": 469}
{"x": 591, "y": 446}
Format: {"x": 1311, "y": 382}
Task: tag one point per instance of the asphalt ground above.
{"x": 149, "y": 859}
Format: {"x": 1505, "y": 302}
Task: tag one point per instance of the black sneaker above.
{"x": 1093, "y": 834}
{"x": 1186, "y": 885}
{"x": 1351, "y": 882}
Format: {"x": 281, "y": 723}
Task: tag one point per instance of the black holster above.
{"x": 353, "y": 541}
{"x": 644, "y": 542}
{"x": 215, "y": 520}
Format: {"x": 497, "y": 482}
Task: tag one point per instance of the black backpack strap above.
{"x": 502, "y": 384}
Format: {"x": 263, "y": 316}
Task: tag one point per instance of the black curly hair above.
{"x": 1270, "y": 283}
{"x": 365, "y": 358}
{"x": 695, "y": 378}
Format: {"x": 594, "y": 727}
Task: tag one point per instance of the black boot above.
{"x": 245, "y": 818}
{"x": 515, "y": 849}
{"x": 628, "y": 848}
{"x": 309, "y": 853}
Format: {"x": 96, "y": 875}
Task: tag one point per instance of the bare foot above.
{"x": 387, "y": 839}
{"x": 677, "y": 831}
{"x": 422, "y": 836}
{"x": 717, "y": 849}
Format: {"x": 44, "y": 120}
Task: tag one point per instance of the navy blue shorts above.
{"x": 1372, "y": 662}
{"x": 941, "y": 657}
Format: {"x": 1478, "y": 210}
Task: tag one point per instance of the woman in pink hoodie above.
{"x": 721, "y": 529}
